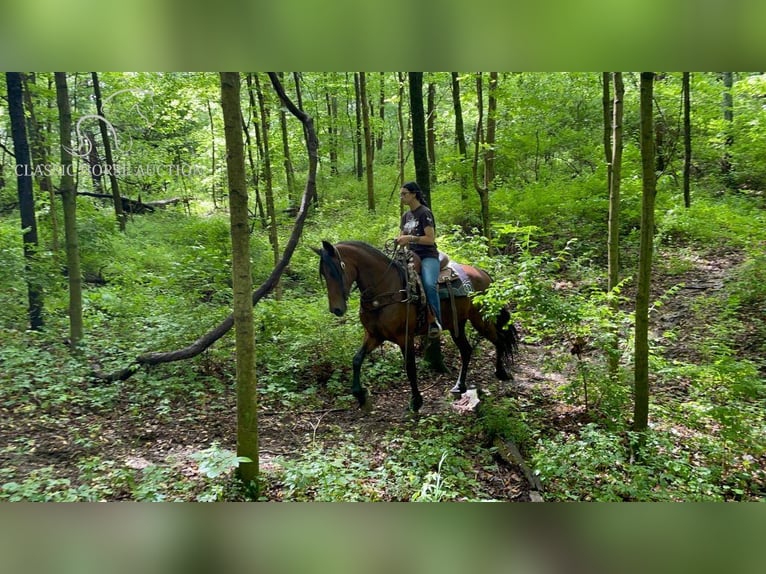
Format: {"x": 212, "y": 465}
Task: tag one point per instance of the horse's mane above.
{"x": 375, "y": 252}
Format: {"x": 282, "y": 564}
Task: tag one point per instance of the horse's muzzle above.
{"x": 338, "y": 312}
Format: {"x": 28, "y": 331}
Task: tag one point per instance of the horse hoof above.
{"x": 456, "y": 392}
{"x": 415, "y": 404}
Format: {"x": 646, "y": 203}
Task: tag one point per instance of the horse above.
{"x": 387, "y": 314}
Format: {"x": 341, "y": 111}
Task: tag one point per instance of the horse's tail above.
{"x": 507, "y": 337}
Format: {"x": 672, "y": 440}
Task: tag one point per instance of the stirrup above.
{"x": 434, "y": 330}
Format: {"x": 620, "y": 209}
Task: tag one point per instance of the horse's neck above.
{"x": 373, "y": 274}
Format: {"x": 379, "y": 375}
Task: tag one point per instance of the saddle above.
{"x": 452, "y": 282}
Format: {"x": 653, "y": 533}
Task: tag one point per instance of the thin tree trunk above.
{"x": 259, "y": 146}
{"x": 94, "y": 163}
{"x": 460, "y": 134}
{"x": 368, "y": 143}
{"x": 69, "y": 200}
{"x": 119, "y": 213}
{"x": 267, "y": 175}
{"x": 242, "y": 282}
{"x": 381, "y": 111}
{"x": 26, "y": 196}
{"x": 608, "y": 109}
{"x": 430, "y": 133}
{"x": 358, "y": 130}
{"x": 419, "y": 153}
{"x": 213, "y": 166}
{"x": 728, "y": 116}
{"x": 289, "y": 173}
{"x": 613, "y": 250}
{"x": 40, "y": 158}
{"x": 489, "y": 157}
{"x": 482, "y": 190}
{"x": 332, "y": 130}
{"x": 641, "y": 388}
{"x": 402, "y": 130}
{"x": 687, "y": 138}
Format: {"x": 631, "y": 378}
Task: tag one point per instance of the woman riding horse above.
{"x": 388, "y": 314}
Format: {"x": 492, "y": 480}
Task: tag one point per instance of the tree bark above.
{"x": 254, "y": 170}
{"x": 613, "y": 249}
{"x": 69, "y": 200}
{"x": 103, "y": 126}
{"x": 40, "y": 154}
{"x": 482, "y": 190}
{"x": 641, "y": 381}
{"x": 242, "y": 283}
{"x": 608, "y": 109}
{"x": 686, "y": 81}
{"x": 728, "y": 116}
{"x": 419, "y": 153}
{"x": 460, "y": 134}
{"x": 267, "y": 173}
{"x": 26, "y": 195}
{"x": 382, "y": 112}
{"x": 358, "y": 130}
{"x": 289, "y": 173}
{"x": 489, "y": 158}
{"x": 220, "y": 330}
{"x": 402, "y": 131}
{"x": 430, "y": 133}
{"x": 332, "y": 129}
{"x": 368, "y": 143}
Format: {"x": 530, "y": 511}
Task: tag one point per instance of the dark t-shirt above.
{"x": 415, "y": 223}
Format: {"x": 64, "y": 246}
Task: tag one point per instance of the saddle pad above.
{"x": 454, "y": 277}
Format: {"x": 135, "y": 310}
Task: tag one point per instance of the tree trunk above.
{"x": 641, "y": 398}
{"x": 104, "y": 126}
{"x": 728, "y": 116}
{"x": 267, "y": 175}
{"x": 69, "y": 200}
{"x": 402, "y": 130}
{"x": 430, "y": 133}
{"x": 482, "y": 190}
{"x": 213, "y": 166}
{"x": 460, "y": 134}
{"x": 26, "y": 196}
{"x": 419, "y": 153}
{"x": 242, "y": 282}
{"x": 608, "y": 109}
{"x": 332, "y": 130}
{"x": 368, "y": 143}
{"x": 489, "y": 158}
{"x": 687, "y": 138}
{"x": 94, "y": 163}
{"x": 289, "y": 173}
{"x": 358, "y": 130}
{"x": 40, "y": 158}
{"x": 382, "y": 112}
{"x": 253, "y": 166}
{"x": 613, "y": 249}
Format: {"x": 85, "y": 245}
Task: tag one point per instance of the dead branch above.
{"x": 212, "y": 336}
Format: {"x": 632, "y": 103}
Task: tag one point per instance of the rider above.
{"x": 418, "y": 232}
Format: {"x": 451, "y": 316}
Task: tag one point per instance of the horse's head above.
{"x": 333, "y": 269}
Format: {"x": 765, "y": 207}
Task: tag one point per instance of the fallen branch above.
{"x": 212, "y": 336}
{"x": 510, "y": 453}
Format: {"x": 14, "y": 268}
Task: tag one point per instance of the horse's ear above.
{"x": 328, "y": 247}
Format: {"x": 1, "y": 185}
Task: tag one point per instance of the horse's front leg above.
{"x": 408, "y": 351}
{"x": 464, "y": 346}
{"x": 357, "y": 389}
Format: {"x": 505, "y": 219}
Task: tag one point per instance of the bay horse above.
{"x": 386, "y": 314}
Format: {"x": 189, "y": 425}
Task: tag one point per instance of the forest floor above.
{"x": 60, "y": 439}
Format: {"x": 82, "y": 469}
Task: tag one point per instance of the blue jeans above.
{"x": 430, "y": 273}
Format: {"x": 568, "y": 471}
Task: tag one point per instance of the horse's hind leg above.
{"x": 408, "y": 351}
{"x": 464, "y": 346}
{"x": 357, "y": 389}
{"x": 490, "y": 332}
